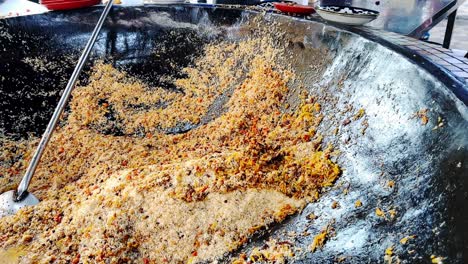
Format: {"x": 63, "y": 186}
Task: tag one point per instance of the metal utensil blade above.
{"x": 9, "y": 205}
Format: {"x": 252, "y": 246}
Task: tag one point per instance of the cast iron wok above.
{"x": 429, "y": 166}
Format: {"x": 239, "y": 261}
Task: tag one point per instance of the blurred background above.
{"x": 407, "y": 17}
{"x": 460, "y": 31}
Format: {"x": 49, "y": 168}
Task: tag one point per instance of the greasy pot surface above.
{"x": 429, "y": 166}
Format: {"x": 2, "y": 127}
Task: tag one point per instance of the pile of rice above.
{"x": 116, "y": 187}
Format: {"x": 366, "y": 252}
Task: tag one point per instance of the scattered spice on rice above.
{"x": 116, "y": 187}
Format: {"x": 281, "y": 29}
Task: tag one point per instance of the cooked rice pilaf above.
{"x": 115, "y": 187}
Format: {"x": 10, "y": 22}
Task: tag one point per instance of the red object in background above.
{"x": 68, "y": 4}
{"x": 294, "y": 8}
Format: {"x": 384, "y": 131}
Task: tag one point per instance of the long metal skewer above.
{"x": 24, "y": 184}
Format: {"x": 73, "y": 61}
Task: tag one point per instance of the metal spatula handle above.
{"x": 24, "y": 184}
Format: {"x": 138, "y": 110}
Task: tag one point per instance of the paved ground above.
{"x": 460, "y": 31}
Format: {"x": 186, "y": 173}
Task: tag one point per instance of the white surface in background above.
{"x": 302, "y": 2}
{"x": 213, "y": 2}
{"x": 164, "y": 2}
{"x": 132, "y": 2}
{"x": 12, "y": 8}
